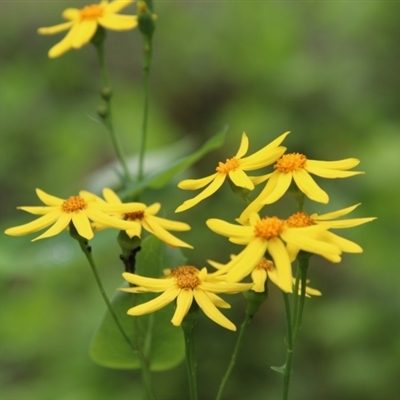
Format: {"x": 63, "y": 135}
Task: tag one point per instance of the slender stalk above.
{"x": 235, "y": 354}
{"x": 188, "y": 326}
{"x": 147, "y": 55}
{"x": 86, "y": 249}
{"x": 294, "y": 322}
{"x": 106, "y": 115}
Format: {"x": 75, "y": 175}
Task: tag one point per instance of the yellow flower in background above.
{"x": 269, "y": 234}
{"x": 78, "y": 210}
{"x": 296, "y": 167}
{"x": 301, "y": 219}
{"x": 265, "y": 269}
{"x": 145, "y": 217}
{"x": 184, "y": 284}
{"x": 234, "y": 168}
{"x": 83, "y": 23}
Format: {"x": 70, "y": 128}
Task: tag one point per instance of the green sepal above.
{"x": 242, "y": 192}
{"x": 162, "y": 343}
{"x": 145, "y": 19}
{"x": 130, "y": 247}
{"x": 99, "y": 37}
{"x": 254, "y": 301}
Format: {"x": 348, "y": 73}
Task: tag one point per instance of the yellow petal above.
{"x": 48, "y": 199}
{"x": 170, "y": 225}
{"x": 244, "y": 146}
{"x": 226, "y": 229}
{"x": 194, "y": 184}
{"x": 334, "y": 214}
{"x": 239, "y": 178}
{"x": 331, "y": 173}
{"x": 211, "y": 310}
{"x": 208, "y": 191}
{"x": 345, "y": 245}
{"x": 277, "y": 186}
{"x": 282, "y": 263}
{"x": 64, "y": 45}
{"x": 109, "y": 221}
{"x": 346, "y": 223}
{"x": 117, "y": 5}
{"x": 118, "y": 22}
{"x": 155, "y": 304}
{"x": 183, "y": 303}
{"x": 34, "y": 226}
{"x": 266, "y": 155}
{"x": 150, "y": 284}
{"x": 61, "y": 223}
{"x": 71, "y": 14}
{"x": 259, "y": 179}
{"x": 83, "y": 33}
{"x": 82, "y": 224}
{"x": 348, "y": 163}
{"x": 259, "y": 277}
{"x": 121, "y": 208}
{"x": 163, "y": 234}
{"x": 153, "y": 209}
{"x": 51, "y": 30}
{"x": 39, "y": 210}
{"x": 308, "y": 186}
{"x": 110, "y": 196}
{"x": 218, "y": 301}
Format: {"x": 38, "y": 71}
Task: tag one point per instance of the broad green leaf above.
{"x": 161, "y": 342}
{"x": 162, "y": 178}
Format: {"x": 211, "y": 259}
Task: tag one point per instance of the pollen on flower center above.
{"x": 186, "y": 277}
{"x": 134, "y": 215}
{"x": 299, "y": 220}
{"x": 74, "y": 203}
{"x": 229, "y": 165}
{"x": 268, "y": 228}
{"x": 290, "y": 162}
{"x": 92, "y": 11}
{"x": 265, "y": 264}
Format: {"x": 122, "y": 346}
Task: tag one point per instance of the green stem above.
{"x": 106, "y": 114}
{"x": 86, "y": 249}
{"x": 188, "y": 326}
{"x": 294, "y": 322}
{"x": 235, "y": 354}
{"x": 147, "y": 55}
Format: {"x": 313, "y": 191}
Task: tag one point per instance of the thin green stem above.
{"x": 147, "y": 55}
{"x": 106, "y": 114}
{"x": 188, "y": 326}
{"x": 294, "y": 321}
{"x": 235, "y": 354}
{"x": 86, "y": 249}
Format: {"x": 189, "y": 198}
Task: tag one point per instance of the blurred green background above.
{"x": 327, "y": 71}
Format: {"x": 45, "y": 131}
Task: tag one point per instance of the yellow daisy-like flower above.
{"x": 83, "y": 24}
{"x": 145, "y": 217}
{"x": 185, "y": 284}
{"x": 269, "y": 234}
{"x": 301, "y": 219}
{"x": 78, "y": 210}
{"x": 296, "y": 167}
{"x": 264, "y": 270}
{"x": 234, "y": 168}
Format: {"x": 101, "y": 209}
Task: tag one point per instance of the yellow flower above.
{"x": 143, "y": 216}
{"x": 83, "y": 24}
{"x": 296, "y": 167}
{"x": 234, "y": 168}
{"x": 266, "y": 269}
{"x": 301, "y": 219}
{"x": 269, "y": 234}
{"x": 78, "y": 210}
{"x": 185, "y": 284}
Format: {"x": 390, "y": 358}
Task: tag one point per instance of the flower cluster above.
{"x": 88, "y": 213}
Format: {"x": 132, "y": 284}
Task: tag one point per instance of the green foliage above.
{"x": 160, "y": 341}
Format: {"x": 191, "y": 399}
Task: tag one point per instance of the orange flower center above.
{"x": 268, "y": 228}
{"x": 73, "y": 204}
{"x": 299, "y": 220}
{"x": 92, "y": 11}
{"x": 186, "y": 277}
{"x": 133, "y": 216}
{"x": 265, "y": 264}
{"x": 229, "y": 165}
{"x": 290, "y": 162}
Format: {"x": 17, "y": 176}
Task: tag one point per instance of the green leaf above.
{"x": 161, "y": 342}
{"x": 162, "y": 178}
{"x": 281, "y": 369}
